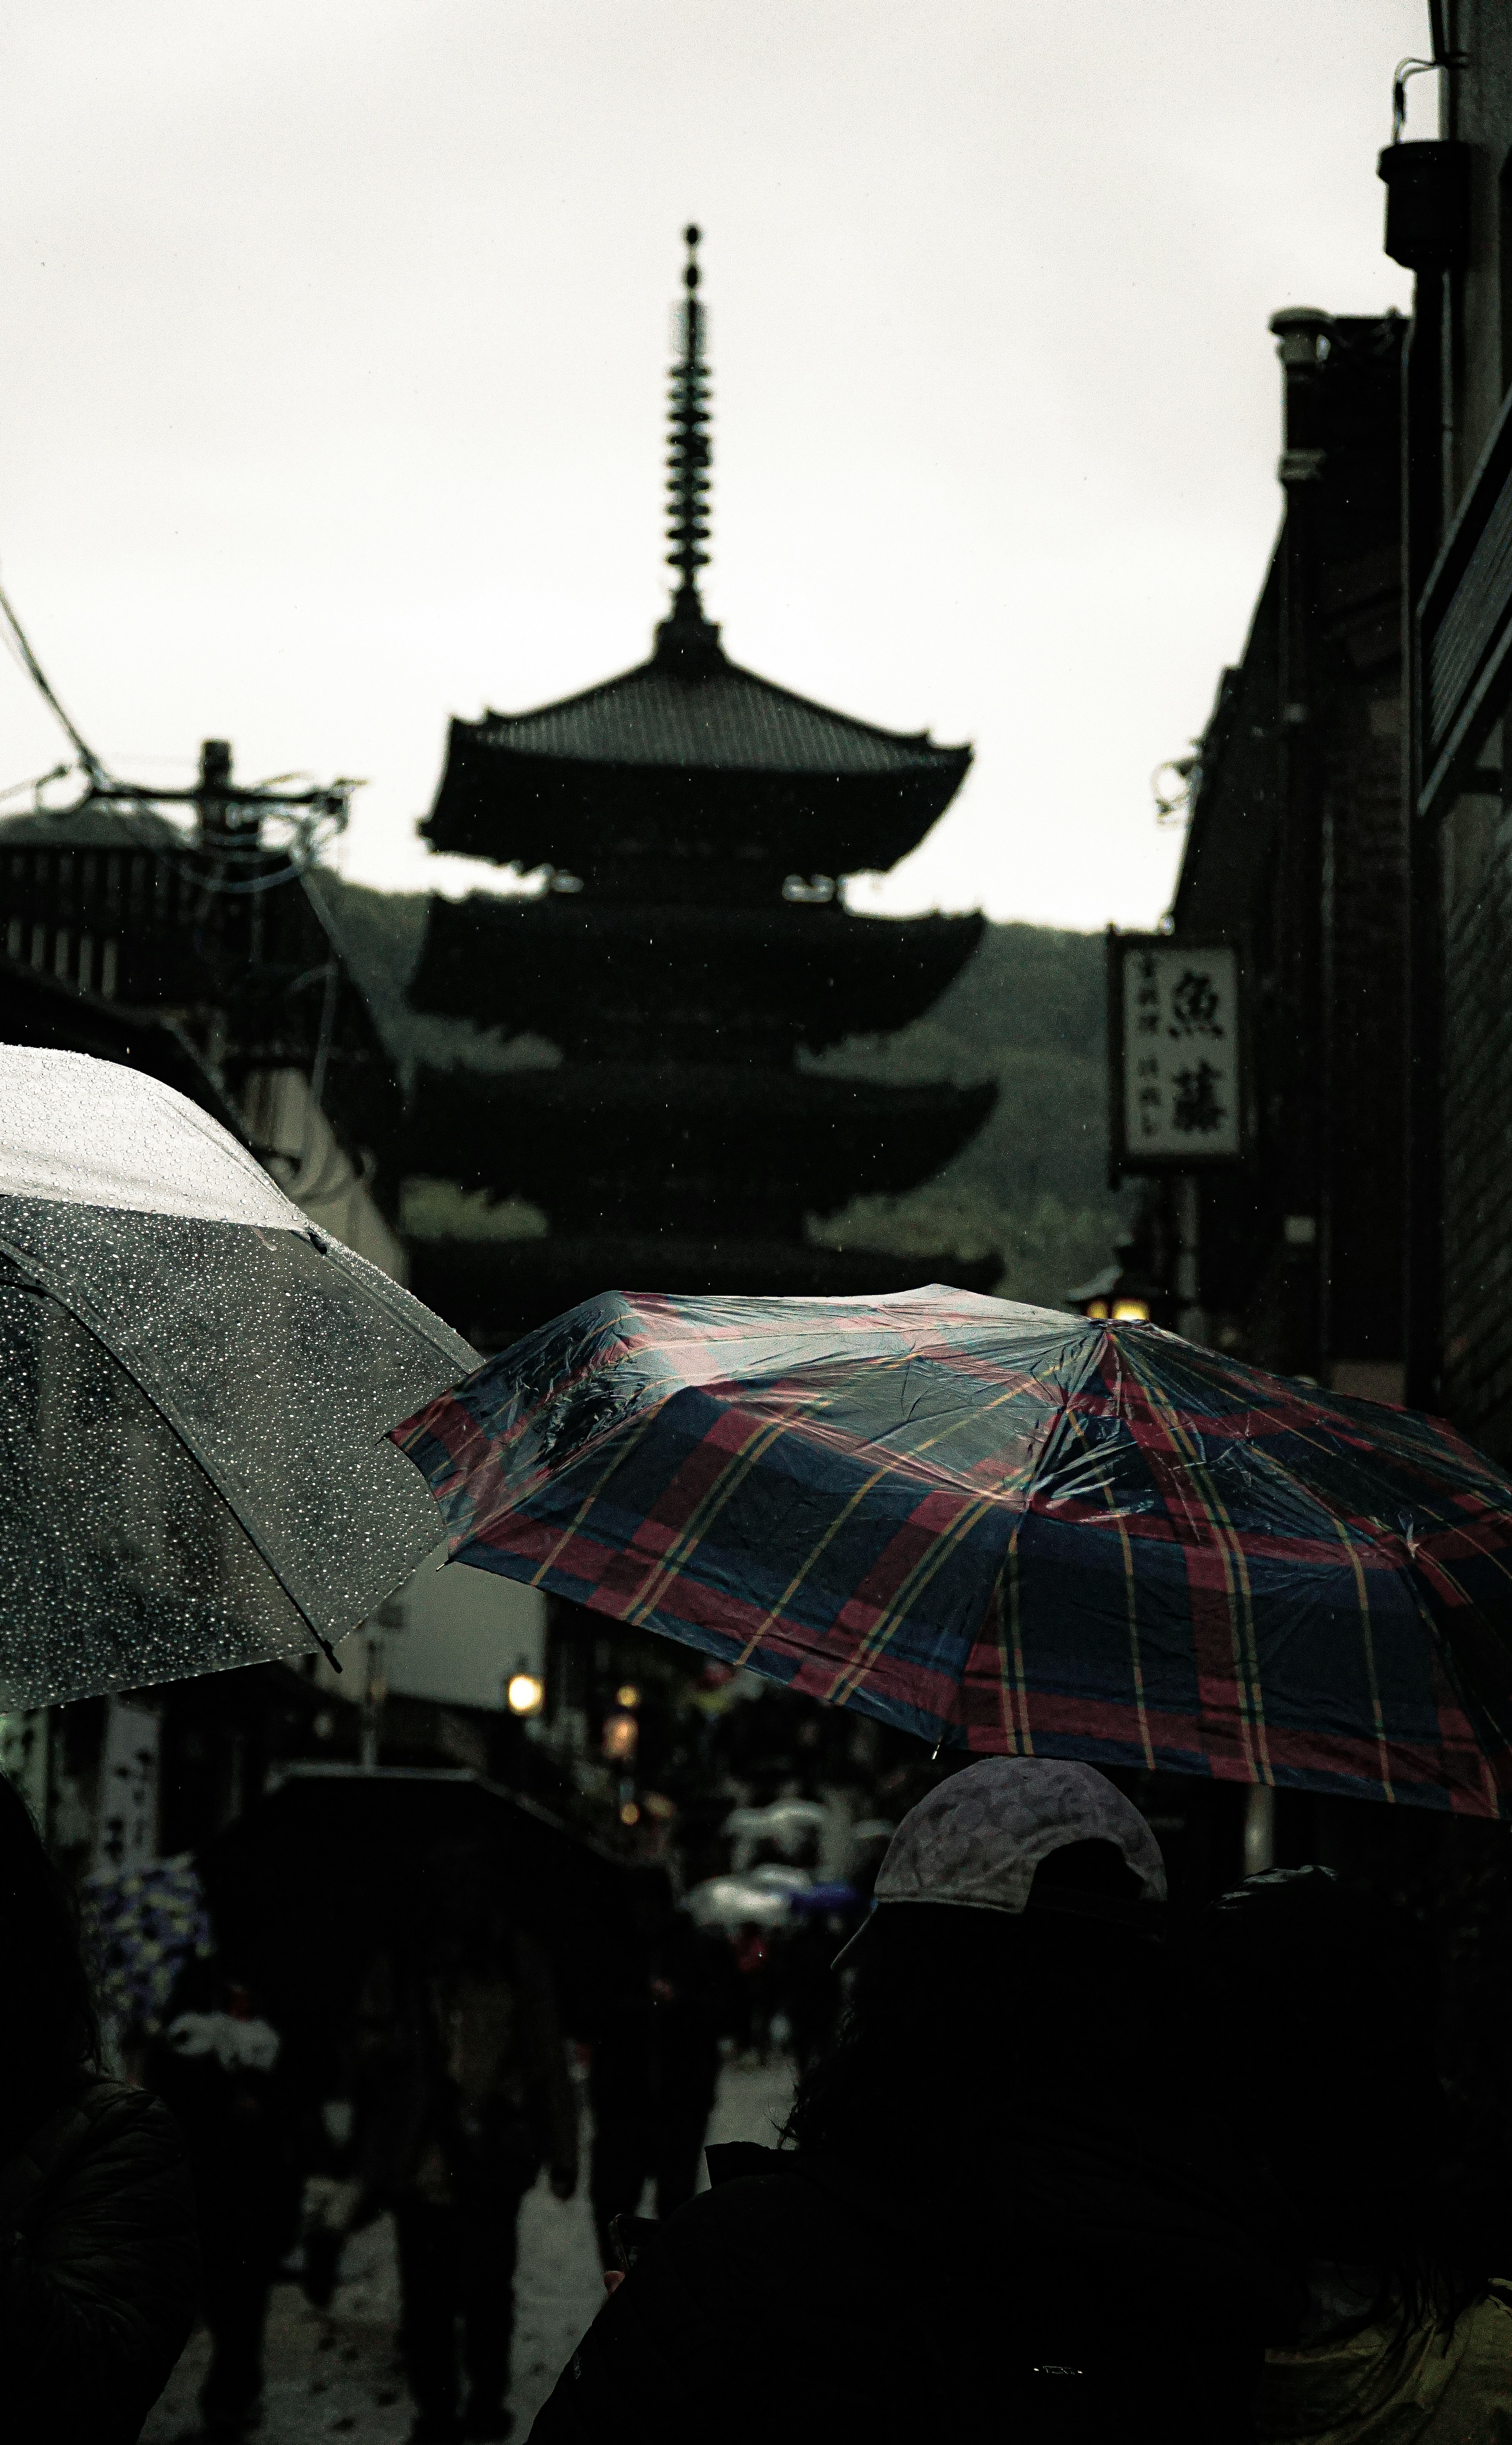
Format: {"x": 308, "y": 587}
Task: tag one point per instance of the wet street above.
{"x": 337, "y": 2373}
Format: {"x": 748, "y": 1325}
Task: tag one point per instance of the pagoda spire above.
{"x": 685, "y": 640}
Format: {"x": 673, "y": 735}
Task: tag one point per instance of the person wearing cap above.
{"x": 991, "y": 2213}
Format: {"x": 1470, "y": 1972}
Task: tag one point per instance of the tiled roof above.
{"x": 91, "y": 826}
{"x": 724, "y": 720}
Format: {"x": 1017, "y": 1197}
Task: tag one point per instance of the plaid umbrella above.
{"x": 1008, "y": 1530}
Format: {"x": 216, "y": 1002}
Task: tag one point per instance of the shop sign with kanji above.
{"x": 1179, "y": 1078}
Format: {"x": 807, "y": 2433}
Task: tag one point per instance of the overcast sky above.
{"x": 335, "y": 349}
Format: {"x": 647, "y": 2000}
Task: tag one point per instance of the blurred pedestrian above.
{"x": 669, "y": 1995}
{"x": 991, "y": 2214}
{"x": 811, "y": 1989}
{"x": 753, "y": 1961}
{"x": 461, "y": 2092}
{"x": 96, "y": 2222}
{"x": 222, "y": 2064}
{"x": 1310, "y": 2005}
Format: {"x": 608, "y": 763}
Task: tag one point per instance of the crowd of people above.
{"x": 1063, "y": 2159}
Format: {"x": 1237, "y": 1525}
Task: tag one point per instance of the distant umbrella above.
{"x": 1009, "y": 1530}
{"x": 778, "y": 1880}
{"x": 193, "y": 1388}
{"x": 822, "y": 1899}
{"x": 736, "y": 1901}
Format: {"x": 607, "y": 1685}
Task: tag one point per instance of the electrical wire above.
{"x": 315, "y": 820}
{"x": 58, "y": 773}
{"x": 86, "y": 752}
{"x": 1407, "y": 69}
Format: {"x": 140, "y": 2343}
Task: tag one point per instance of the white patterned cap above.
{"x": 978, "y": 1837}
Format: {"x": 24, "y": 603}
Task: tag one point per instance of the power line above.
{"x": 317, "y": 814}
{"x": 86, "y": 752}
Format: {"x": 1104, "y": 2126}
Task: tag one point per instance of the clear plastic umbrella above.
{"x": 193, "y": 1388}
{"x": 736, "y": 1901}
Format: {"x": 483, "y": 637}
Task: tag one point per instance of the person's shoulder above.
{"x": 1485, "y": 2329}
{"x": 121, "y": 2133}
{"x": 768, "y": 2226}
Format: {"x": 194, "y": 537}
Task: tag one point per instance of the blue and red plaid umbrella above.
{"x": 1008, "y": 1530}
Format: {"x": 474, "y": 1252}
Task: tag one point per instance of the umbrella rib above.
{"x": 666, "y": 1566}
{"x": 1017, "y": 1702}
{"x": 621, "y": 1451}
{"x": 1136, "y": 1664}
{"x": 696, "y": 1527}
{"x": 1348, "y": 1534}
{"x": 1252, "y": 1723}
{"x": 930, "y": 1561}
{"x": 849, "y": 1680}
{"x": 810, "y": 1558}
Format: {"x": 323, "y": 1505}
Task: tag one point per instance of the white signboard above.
{"x": 126, "y": 1810}
{"x": 1182, "y": 1087}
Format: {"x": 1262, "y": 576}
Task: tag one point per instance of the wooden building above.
{"x": 1450, "y": 220}
{"x": 1293, "y": 1252}
{"x": 124, "y": 930}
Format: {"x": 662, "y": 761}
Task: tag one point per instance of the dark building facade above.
{"x": 1452, "y": 223}
{"x": 211, "y": 959}
{"x": 691, "y": 825}
{"x": 1296, "y": 856}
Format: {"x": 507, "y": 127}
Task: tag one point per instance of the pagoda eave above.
{"x": 568, "y": 968}
{"x": 527, "y": 810}
{"x": 591, "y": 1139}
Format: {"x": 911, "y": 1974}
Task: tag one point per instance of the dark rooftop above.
{"x": 720, "y": 719}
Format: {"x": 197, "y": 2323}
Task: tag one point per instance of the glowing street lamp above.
{"x": 1120, "y": 1294}
{"x": 524, "y": 1693}
{"x": 622, "y": 1735}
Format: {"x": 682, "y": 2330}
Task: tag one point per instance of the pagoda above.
{"x": 690, "y": 825}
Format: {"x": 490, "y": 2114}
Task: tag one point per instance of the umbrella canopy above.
{"x": 1009, "y": 1530}
{"x": 193, "y": 1388}
{"x": 738, "y": 1901}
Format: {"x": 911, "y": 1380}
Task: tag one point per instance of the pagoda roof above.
{"x": 497, "y": 1289}
{"x": 569, "y": 967}
{"x": 689, "y": 753}
{"x": 718, "y": 717}
{"x": 92, "y": 825}
{"x": 689, "y": 745}
{"x": 602, "y": 1140}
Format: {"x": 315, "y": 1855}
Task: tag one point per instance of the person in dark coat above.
{"x": 461, "y": 2091}
{"x": 222, "y": 2066}
{"x": 671, "y": 1994}
{"x": 98, "y": 2252}
{"x": 1313, "y": 2007}
{"x": 991, "y": 2214}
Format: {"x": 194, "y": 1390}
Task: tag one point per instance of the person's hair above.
{"x": 956, "y": 2015}
{"x": 49, "y": 2031}
{"x": 1310, "y": 2006}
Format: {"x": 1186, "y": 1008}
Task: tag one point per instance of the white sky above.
{"x": 335, "y": 343}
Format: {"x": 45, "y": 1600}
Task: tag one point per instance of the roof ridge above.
{"x": 653, "y": 669}
{"x": 569, "y": 703}
{"x": 850, "y": 720}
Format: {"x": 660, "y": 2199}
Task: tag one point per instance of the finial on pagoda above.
{"x": 685, "y": 640}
